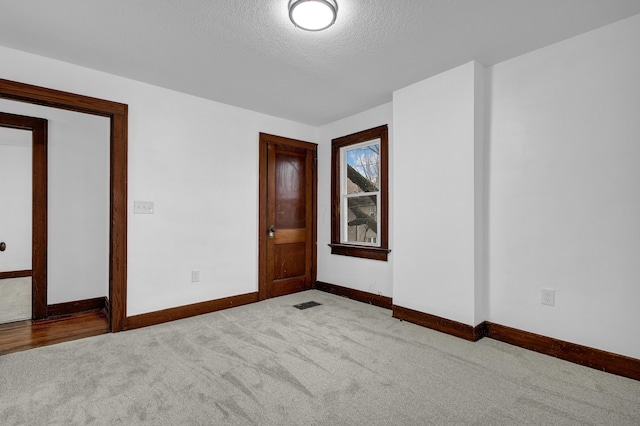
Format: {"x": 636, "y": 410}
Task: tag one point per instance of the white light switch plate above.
{"x": 143, "y": 207}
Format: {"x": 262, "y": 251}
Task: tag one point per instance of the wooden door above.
{"x": 287, "y": 216}
{"x": 38, "y": 272}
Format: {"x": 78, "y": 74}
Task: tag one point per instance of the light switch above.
{"x": 143, "y": 207}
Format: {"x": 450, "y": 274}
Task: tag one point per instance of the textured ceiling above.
{"x": 248, "y": 54}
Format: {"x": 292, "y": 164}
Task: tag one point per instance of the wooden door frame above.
{"x": 263, "y": 226}
{"x": 38, "y": 129}
{"x": 118, "y": 115}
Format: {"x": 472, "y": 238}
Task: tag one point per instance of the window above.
{"x": 359, "y": 194}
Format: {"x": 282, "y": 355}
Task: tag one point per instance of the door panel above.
{"x": 289, "y": 197}
{"x": 287, "y": 212}
{"x": 289, "y": 261}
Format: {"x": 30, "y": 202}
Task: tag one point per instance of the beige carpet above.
{"x": 15, "y": 299}
{"x": 342, "y": 363}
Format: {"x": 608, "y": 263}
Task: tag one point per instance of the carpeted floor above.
{"x": 15, "y": 299}
{"x": 341, "y": 363}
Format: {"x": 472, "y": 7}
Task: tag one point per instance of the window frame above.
{"x": 367, "y": 251}
{"x": 345, "y": 196}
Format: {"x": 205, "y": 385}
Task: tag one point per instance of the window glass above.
{"x": 359, "y": 194}
{"x": 360, "y": 189}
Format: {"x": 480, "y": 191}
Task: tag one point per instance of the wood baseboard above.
{"x": 578, "y": 354}
{"x": 16, "y": 274}
{"x": 107, "y": 309}
{"x": 180, "y": 312}
{"x": 583, "y": 355}
{"x": 361, "y": 296}
{"x": 76, "y": 307}
{"x": 444, "y": 325}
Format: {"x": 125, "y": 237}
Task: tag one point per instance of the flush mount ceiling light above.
{"x": 313, "y": 15}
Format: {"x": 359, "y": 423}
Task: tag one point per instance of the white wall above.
{"x": 198, "y": 161}
{"x": 438, "y": 148}
{"x": 367, "y": 275}
{"x": 15, "y": 199}
{"x": 564, "y": 189}
{"x": 78, "y": 202}
{"x": 561, "y": 157}
{"x": 551, "y": 199}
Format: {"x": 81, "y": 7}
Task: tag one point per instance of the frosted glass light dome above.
{"x": 313, "y": 15}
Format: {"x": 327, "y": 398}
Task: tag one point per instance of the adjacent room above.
{"x": 414, "y": 212}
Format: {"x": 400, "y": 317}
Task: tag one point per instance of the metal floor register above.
{"x": 307, "y": 305}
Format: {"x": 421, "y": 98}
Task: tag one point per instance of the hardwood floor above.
{"x": 23, "y": 335}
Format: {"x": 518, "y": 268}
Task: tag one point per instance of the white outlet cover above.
{"x": 548, "y": 297}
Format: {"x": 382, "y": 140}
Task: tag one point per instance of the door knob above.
{"x": 3, "y": 246}
{"x": 272, "y": 231}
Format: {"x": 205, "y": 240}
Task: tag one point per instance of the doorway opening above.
{"x": 30, "y": 260}
{"x": 118, "y": 116}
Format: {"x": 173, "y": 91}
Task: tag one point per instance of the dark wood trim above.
{"x": 263, "y": 219}
{"x": 39, "y": 165}
{"x": 444, "y": 325}
{"x": 375, "y": 253}
{"x": 572, "y": 352}
{"x": 118, "y": 228}
{"x": 40, "y": 222}
{"x": 107, "y": 307}
{"x": 118, "y": 114}
{"x": 15, "y": 274}
{"x": 284, "y": 141}
{"x": 59, "y": 99}
{"x": 359, "y": 295}
{"x": 354, "y": 250}
{"x": 314, "y": 243}
{"x": 76, "y": 307}
{"x": 180, "y": 312}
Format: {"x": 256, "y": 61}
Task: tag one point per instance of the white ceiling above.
{"x": 248, "y": 54}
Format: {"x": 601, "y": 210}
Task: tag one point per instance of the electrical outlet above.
{"x": 548, "y": 297}
{"x": 195, "y": 276}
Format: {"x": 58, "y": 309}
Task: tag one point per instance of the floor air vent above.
{"x": 307, "y": 305}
